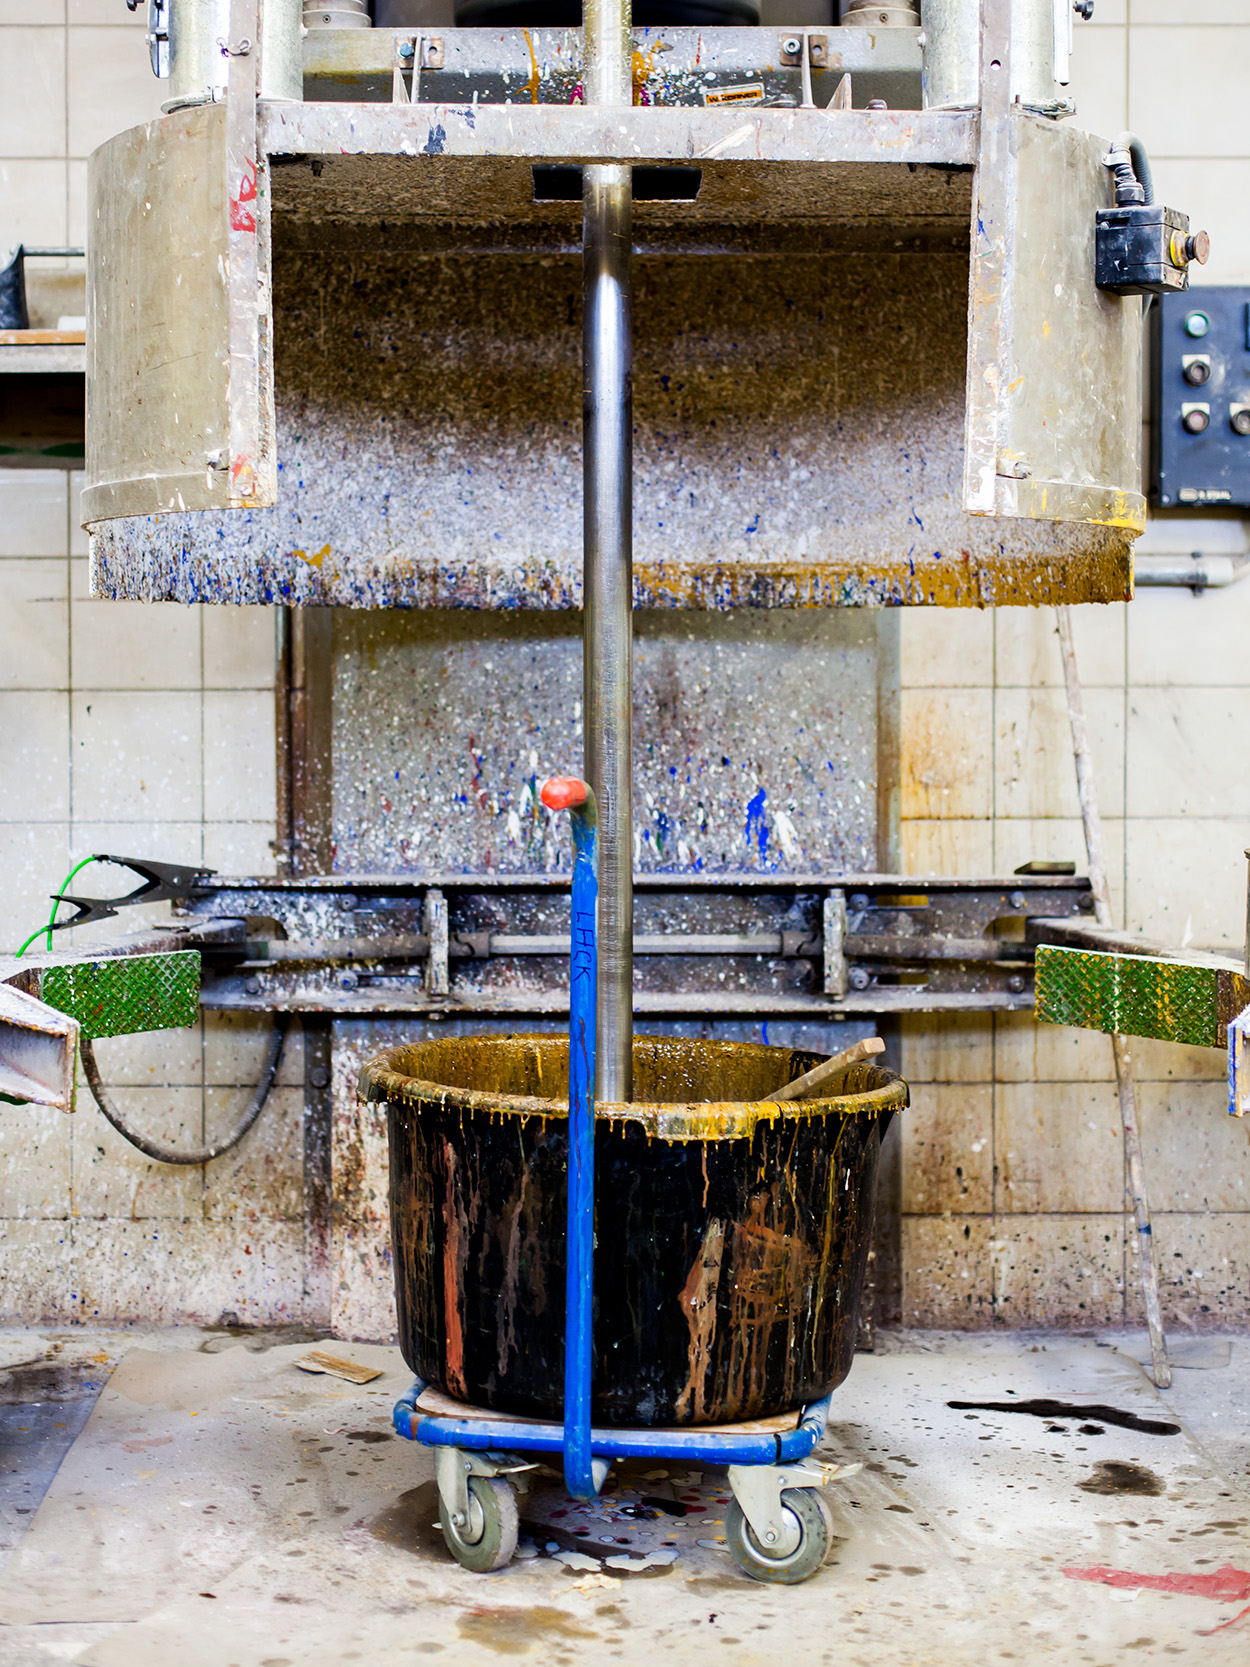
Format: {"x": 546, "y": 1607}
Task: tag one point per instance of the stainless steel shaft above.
{"x": 607, "y": 442}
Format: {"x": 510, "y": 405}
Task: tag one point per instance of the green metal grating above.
{"x": 122, "y": 994}
{"x": 1138, "y": 995}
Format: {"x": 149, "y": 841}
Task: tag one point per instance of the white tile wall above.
{"x": 1164, "y": 681}
{"x": 145, "y": 730}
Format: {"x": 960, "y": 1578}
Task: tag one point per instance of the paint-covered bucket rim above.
{"x": 868, "y": 1090}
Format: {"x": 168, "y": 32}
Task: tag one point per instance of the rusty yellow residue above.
{"x": 313, "y": 560}
{"x": 496, "y": 1076}
{"x": 533, "y": 83}
{"x": 697, "y": 1301}
{"x": 958, "y": 579}
{"x": 641, "y": 70}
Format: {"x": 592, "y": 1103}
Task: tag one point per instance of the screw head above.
{"x": 791, "y": 45}
{"x": 859, "y": 978}
{"x": 1015, "y": 984}
{"x": 1016, "y": 899}
{"x": 405, "y": 49}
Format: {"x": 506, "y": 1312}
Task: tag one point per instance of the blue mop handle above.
{"x": 567, "y": 793}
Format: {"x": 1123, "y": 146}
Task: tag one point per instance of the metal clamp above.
{"x": 758, "y": 1489}
{"x": 163, "y": 882}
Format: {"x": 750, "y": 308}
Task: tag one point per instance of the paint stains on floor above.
{"x": 1121, "y": 1476}
{"x": 1038, "y": 1408}
{"x": 513, "y": 1630}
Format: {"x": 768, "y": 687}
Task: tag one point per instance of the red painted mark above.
{"x": 1226, "y": 1585}
{"x": 241, "y": 219}
{"x": 563, "y": 792}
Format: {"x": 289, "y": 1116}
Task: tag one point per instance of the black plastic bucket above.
{"x": 731, "y": 1233}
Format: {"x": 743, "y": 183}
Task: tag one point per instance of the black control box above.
{"x": 1143, "y": 249}
{"x": 1200, "y": 397}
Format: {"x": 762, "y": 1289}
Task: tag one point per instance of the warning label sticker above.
{"x": 750, "y": 93}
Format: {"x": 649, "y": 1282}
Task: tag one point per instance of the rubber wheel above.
{"x": 488, "y": 1540}
{"x": 807, "y": 1507}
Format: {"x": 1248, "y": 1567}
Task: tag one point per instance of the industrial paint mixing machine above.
{"x": 731, "y": 338}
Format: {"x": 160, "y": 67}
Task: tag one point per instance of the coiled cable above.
{"x": 205, "y": 1154}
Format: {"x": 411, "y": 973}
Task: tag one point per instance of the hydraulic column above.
{"x": 607, "y": 441}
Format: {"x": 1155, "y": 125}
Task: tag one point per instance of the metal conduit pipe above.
{"x": 197, "y": 42}
{"x": 1196, "y": 572}
{"x": 607, "y": 549}
{"x": 1040, "y": 33}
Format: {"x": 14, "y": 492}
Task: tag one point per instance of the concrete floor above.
{"x": 220, "y": 1508}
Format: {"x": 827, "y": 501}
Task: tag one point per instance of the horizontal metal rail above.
{"x": 739, "y": 1447}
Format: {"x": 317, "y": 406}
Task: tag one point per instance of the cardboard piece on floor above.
{"x": 336, "y": 1367}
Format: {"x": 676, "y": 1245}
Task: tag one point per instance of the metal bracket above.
{"x": 38, "y": 1046}
{"x": 406, "y": 73}
{"x": 835, "y": 943}
{"x": 437, "y": 972}
{"x": 452, "y": 1468}
{"x": 158, "y": 35}
{"x": 758, "y": 1489}
{"x": 1239, "y": 1065}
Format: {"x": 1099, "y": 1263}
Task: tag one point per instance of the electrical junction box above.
{"x": 1200, "y": 404}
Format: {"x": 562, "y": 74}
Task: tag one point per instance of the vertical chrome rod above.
{"x": 607, "y": 445}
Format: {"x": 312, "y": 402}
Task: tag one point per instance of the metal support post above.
{"x": 607, "y": 440}
{"x": 1123, "y": 1064}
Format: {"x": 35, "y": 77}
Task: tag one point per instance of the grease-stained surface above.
{"x": 798, "y": 441}
{"x": 756, "y": 740}
{"x": 732, "y": 1232}
{"x": 240, "y": 1511}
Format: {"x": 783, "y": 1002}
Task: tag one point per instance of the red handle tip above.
{"x": 564, "y": 793}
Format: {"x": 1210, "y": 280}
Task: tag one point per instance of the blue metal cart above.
{"x": 777, "y": 1526}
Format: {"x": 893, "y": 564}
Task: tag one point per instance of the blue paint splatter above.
{"x": 757, "y": 827}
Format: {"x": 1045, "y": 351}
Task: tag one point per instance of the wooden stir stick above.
{"x": 802, "y": 1086}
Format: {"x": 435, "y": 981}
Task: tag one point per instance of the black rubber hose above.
{"x": 1135, "y": 172}
{"x": 167, "y": 1154}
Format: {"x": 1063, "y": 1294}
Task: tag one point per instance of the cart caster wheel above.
{"x": 805, "y": 1508}
{"x": 488, "y": 1540}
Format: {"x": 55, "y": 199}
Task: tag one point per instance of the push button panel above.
{"x": 1200, "y": 398}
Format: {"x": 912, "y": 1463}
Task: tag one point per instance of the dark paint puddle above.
{"x": 1118, "y": 1476}
{"x": 409, "y": 1522}
{"x": 512, "y": 1631}
{"x": 1062, "y": 1409}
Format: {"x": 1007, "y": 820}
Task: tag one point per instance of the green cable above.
{"x": 56, "y": 903}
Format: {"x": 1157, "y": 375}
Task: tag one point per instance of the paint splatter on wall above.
{"x": 755, "y": 740}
